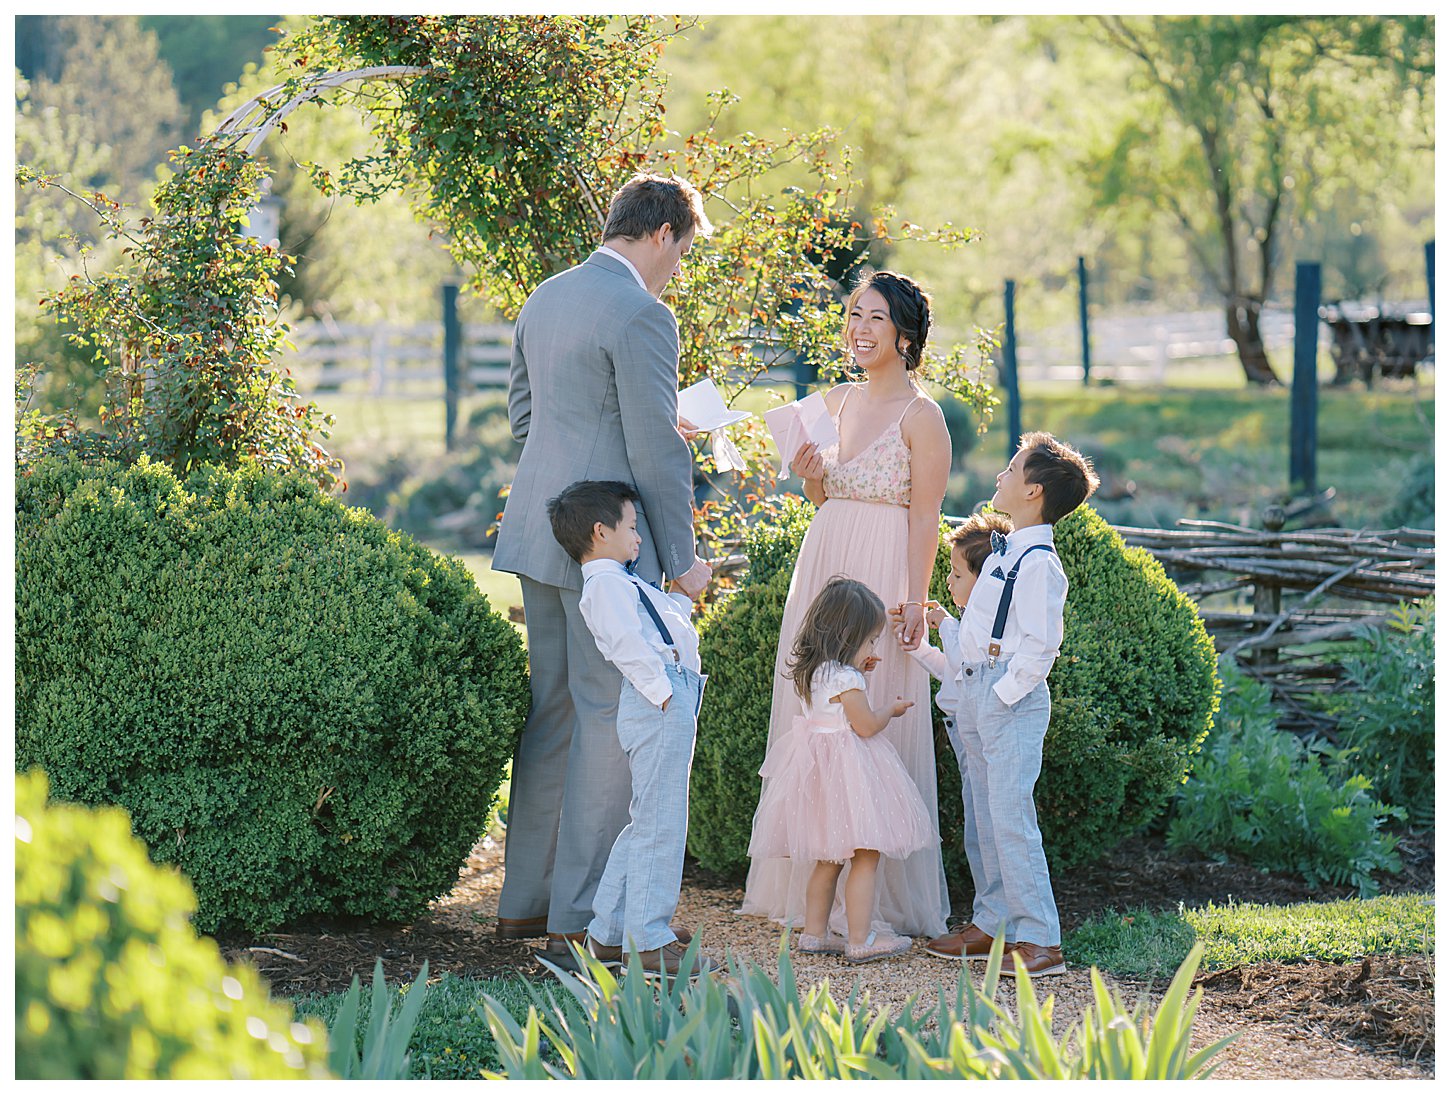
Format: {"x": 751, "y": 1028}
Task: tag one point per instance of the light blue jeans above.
{"x": 640, "y": 887}
{"x": 999, "y": 749}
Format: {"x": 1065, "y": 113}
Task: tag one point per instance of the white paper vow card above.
{"x": 796, "y": 423}
{"x": 702, "y": 407}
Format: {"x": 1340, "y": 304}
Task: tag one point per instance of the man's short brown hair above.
{"x": 1066, "y": 476}
{"x": 973, "y": 537}
{"x": 643, "y": 205}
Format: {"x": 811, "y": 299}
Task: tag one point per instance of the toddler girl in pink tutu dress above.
{"x": 834, "y": 793}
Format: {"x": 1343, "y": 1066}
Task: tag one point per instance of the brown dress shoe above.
{"x": 558, "y": 952}
{"x": 967, "y": 942}
{"x": 668, "y": 961}
{"x": 1037, "y": 960}
{"x": 607, "y": 956}
{"x": 532, "y": 927}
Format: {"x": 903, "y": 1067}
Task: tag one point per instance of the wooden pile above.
{"x": 1295, "y": 598}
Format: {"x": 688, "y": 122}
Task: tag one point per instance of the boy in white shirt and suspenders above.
{"x": 1012, "y": 625}
{"x": 647, "y": 635}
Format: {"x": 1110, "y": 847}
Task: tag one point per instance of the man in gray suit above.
{"x": 592, "y": 395}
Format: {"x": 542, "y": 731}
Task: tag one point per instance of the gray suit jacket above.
{"x": 593, "y": 395}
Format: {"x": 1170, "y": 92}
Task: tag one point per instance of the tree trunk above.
{"x": 1243, "y": 328}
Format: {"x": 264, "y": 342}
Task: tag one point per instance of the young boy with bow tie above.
{"x": 647, "y": 635}
{"x": 1006, "y": 643}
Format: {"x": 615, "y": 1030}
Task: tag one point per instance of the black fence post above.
{"x": 452, "y": 347}
{"x": 1430, "y": 283}
{"x": 1304, "y": 398}
{"x": 1008, "y": 371}
{"x": 1082, "y": 317}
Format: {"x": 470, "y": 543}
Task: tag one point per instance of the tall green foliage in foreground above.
{"x": 305, "y": 712}
{"x": 747, "y": 1025}
{"x": 112, "y": 982}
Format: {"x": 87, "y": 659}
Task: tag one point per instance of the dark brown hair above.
{"x": 643, "y": 205}
{"x": 973, "y": 537}
{"x": 576, "y": 509}
{"x": 1066, "y": 476}
{"x": 909, "y": 307}
{"x": 843, "y": 616}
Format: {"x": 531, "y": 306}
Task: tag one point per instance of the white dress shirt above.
{"x": 612, "y": 253}
{"x": 1033, "y": 633}
{"x": 626, "y": 635}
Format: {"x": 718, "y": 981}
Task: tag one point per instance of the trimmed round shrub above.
{"x": 304, "y": 711}
{"x": 1134, "y": 691}
{"x": 111, "y": 980}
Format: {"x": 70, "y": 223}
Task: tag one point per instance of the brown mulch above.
{"x": 1385, "y": 1001}
{"x": 1372, "y": 1020}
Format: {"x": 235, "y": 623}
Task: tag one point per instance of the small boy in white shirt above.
{"x": 970, "y": 546}
{"x": 647, "y": 635}
{"x": 1007, "y": 641}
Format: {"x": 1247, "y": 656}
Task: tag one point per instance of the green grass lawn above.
{"x": 1143, "y": 943}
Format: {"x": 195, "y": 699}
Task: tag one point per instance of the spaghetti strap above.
{"x": 850, "y": 387}
{"x": 907, "y": 409}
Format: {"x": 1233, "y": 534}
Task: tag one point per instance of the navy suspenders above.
{"x": 659, "y": 623}
{"x": 999, "y": 626}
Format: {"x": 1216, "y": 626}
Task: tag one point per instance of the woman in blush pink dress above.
{"x": 879, "y": 490}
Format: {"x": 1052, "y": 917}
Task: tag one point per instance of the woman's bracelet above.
{"x": 924, "y": 605}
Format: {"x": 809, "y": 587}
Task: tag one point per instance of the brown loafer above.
{"x": 682, "y": 934}
{"x": 1038, "y": 961}
{"x": 968, "y": 942}
{"x": 532, "y": 927}
{"x": 668, "y": 961}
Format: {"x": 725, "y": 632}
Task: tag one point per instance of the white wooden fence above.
{"x": 396, "y": 361}
{"x": 406, "y": 361}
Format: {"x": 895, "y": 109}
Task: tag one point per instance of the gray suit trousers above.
{"x": 570, "y": 790}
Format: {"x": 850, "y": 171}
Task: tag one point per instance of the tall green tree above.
{"x": 1247, "y": 122}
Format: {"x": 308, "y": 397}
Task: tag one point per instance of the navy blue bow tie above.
{"x": 631, "y": 566}
{"x": 999, "y": 543}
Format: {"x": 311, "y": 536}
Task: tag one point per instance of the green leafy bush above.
{"x": 1387, "y": 718}
{"x": 1133, "y": 694}
{"x": 112, "y": 982}
{"x": 304, "y": 711}
{"x": 1264, "y": 796}
{"x": 750, "y": 1025}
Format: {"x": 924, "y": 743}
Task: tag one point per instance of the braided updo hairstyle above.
{"x": 910, "y": 310}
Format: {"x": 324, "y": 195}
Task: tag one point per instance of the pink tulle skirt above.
{"x": 828, "y": 792}
{"x": 865, "y": 541}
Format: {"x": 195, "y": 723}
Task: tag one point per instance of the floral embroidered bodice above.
{"x": 881, "y": 472}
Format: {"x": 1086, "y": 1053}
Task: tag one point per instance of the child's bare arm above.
{"x": 866, "y": 721}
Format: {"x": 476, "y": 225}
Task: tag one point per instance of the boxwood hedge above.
{"x": 304, "y": 711}
{"x": 1133, "y": 695}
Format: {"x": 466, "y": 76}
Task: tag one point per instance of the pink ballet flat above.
{"x": 878, "y": 945}
{"x": 814, "y": 944}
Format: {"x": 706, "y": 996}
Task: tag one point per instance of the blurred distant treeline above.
{"x": 1049, "y": 135}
